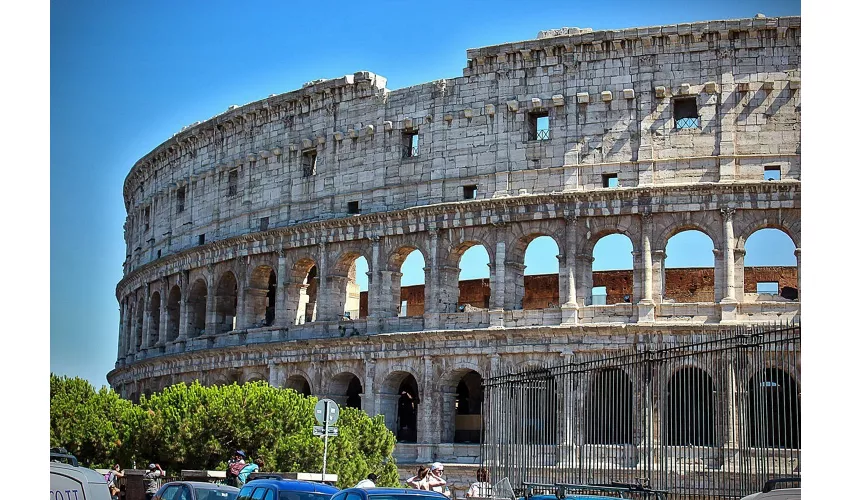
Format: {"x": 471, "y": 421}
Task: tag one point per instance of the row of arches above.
{"x": 341, "y": 292}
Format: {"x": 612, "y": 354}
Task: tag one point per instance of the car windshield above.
{"x": 302, "y": 495}
{"x": 204, "y": 494}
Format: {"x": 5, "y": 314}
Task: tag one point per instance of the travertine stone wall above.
{"x": 241, "y": 230}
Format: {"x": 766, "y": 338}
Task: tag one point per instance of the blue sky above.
{"x": 125, "y": 76}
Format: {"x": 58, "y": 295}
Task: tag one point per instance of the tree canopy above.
{"x": 198, "y": 427}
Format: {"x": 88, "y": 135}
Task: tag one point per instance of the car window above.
{"x": 210, "y": 494}
{"x": 245, "y": 493}
{"x": 170, "y": 493}
{"x": 184, "y": 494}
{"x": 258, "y": 493}
{"x": 269, "y": 495}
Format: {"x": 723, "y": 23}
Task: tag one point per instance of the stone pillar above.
{"x": 275, "y": 373}
{"x": 433, "y": 289}
{"x": 729, "y": 305}
{"x": 321, "y": 304}
{"x": 426, "y": 416}
{"x": 732, "y": 440}
{"x": 121, "y": 330}
{"x": 514, "y": 285}
{"x": 569, "y": 300}
{"x": 584, "y": 273}
{"x": 210, "y": 327}
{"x": 280, "y": 318}
{"x": 242, "y": 294}
{"x": 374, "y": 275}
{"x": 497, "y": 286}
{"x": 333, "y": 303}
{"x": 646, "y": 306}
{"x": 163, "y": 316}
{"x": 449, "y": 413}
{"x": 449, "y": 290}
{"x": 368, "y": 399}
{"x": 799, "y": 282}
{"x": 388, "y": 407}
{"x": 719, "y": 275}
{"x": 390, "y": 294}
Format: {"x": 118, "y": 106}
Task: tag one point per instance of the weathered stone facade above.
{"x": 242, "y": 230}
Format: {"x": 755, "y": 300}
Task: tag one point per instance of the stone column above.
{"x": 163, "y": 315}
{"x": 146, "y": 319}
{"x": 433, "y": 289}
{"x": 242, "y": 294}
{"x": 280, "y": 318}
{"x": 569, "y": 301}
{"x": 121, "y": 330}
{"x": 321, "y": 295}
{"x": 497, "y": 286}
{"x": 426, "y": 431}
{"x": 514, "y": 285}
{"x": 719, "y": 275}
{"x": 333, "y": 302}
{"x": 729, "y": 305}
{"x": 368, "y": 400}
{"x": 449, "y": 414}
{"x": 646, "y": 306}
{"x": 799, "y": 287}
{"x": 211, "y": 317}
{"x": 185, "y": 285}
{"x": 374, "y": 275}
{"x": 275, "y": 374}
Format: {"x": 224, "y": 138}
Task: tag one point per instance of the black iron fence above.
{"x": 713, "y": 418}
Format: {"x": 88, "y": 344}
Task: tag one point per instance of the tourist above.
{"x": 150, "y": 481}
{"x": 112, "y": 477}
{"x": 419, "y": 481}
{"x": 242, "y": 477}
{"x": 481, "y": 487}
{"x": 435, "y": 479}
{"x": 369, "y": 482}
{"x": 234, "y": 467}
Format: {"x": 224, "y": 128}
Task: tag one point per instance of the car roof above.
{"x": 294, "y": 485}
{"x": 398, "y": 491}
{"x": 92, "y": 476}
{"x": 201, "y": 485}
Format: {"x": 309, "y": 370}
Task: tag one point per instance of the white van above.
{"x": 69, "y": 482}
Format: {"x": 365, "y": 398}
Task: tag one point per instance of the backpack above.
{"x": 234, "y": 469}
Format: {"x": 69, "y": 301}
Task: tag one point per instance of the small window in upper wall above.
{"x": 470, "y": 192}
{"x": 158, "y": 254}
{"x": 147, "y": 218}
{"x": 599, "y": 296}
{"x": 201, "y": 239}
{"x": 538, "y": 126}
{"x": 767, "y": 287}
{"x": 232, "y": 182}
{"x": 308, "y": 162}
{"x": 610, "y": 180}
{"x": 410, "y": 144}
{"x": 181, "y": 199}
{"x": 685, "y": 113}
{"x": 772, "y": 173}
{"x": 354, "y": 207}
{"x": 264, "y": 223}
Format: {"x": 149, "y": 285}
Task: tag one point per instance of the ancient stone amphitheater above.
{"x": 242, "y": 230}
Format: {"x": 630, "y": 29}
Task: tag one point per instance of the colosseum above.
{"x": 242, "y": 230}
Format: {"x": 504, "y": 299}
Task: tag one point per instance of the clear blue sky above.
{"x": 125, "y": 76}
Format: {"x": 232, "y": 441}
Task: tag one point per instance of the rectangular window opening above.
{"x": 685, "y": 113}
{"x": 470, "y": 192}
{"x": 201, "y": 239}
{"x": 610, "y": 180}
{"x": 410, "y": 144}
{"x": 767, "y": 288}
{"x": 147, "y": 218}
{"x": 181, "y": 199}
{"x": 308, "y": 162}
{"x": 538, "y": 126}
{"x": 264, "y": 223}
{"x": 599, "y": 296}
{"x": 772, "y": 173}
{"x": 158, "y": 254}
{"x": 403, "y": 309}
{"x": 353, "y": 207}
{"x": 232, "y": 182}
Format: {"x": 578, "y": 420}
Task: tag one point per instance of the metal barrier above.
{"x": 713, "y": 418}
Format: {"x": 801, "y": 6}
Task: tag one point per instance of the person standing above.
{"x": 112, "y": 477}
{"x": 234, "y": 467}
{"x": 151, "y": 480}
{"x": 436, "y": 481}
{"x": 481, "y": 487}
{"x": 369, "y": 482}
{"x": 242, "y": 477}
{"x": 419, "y": 481}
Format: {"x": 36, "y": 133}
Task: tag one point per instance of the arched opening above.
{"x": 467, "y": 409}
{"x": 408, "y": 403}
{"x": 689, "y": 410}
{"x": 260, "y": 299}
{"x": 473, "y": 278}
{"x": 357, "y": 290}
{"x": 535, "y": 400}
{"x": 774, "y": 410}
{"x": 226, "y": 297}
{"x": 688, "y": 265}
{"x": 153, "y": 333}
{"x": 540, "y": 277}
{"x": 608, "y": 416}
{"x": 140, "y": 316}
{"x": 173, "y": 314}
{"x": 612, "y": 280}
{"x": 196, "y": 305}
{"x": 770, "y": 266}
{"x": 298, "y": 384}
{"x": 307, "y": 272}
{"x": 345, "y": 389}
{"x": 408, "y": 287}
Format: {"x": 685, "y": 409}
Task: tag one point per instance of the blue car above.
{"x": 285, "y": 489}
{"x": 386, "y": 494}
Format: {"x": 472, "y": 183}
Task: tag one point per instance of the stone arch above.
{"x": 345, "y": 293}
{"x": 690, "y": 408}
{"x": 620, "y": 285}
{"x": 608, "y": 407}
{"x": 462, "y": 399}
{"x": 400, "y": 403}
{"x": 754, "y": 220}
{"x": 410, "y": 300}
{"x": 595, "y": 228}
{"x": 260, "y": 296}
{"x": 457, "y": 295}
{"x": 346, "y": 389}
{"x": 708, "y": 223}
{"x": 172, "y": 314}
{"x": 225, "y": 303}
{"x": 305, "y": 275}
{"x": 255, "y": 375}
{"x": 546, "y": 288}
{"x": 196, "y": 305}
{"x": 299, "y": 383}
{"x": 693, "y": 283}
{"x": 780, "y": 270}
{"x": 773, "y": 409}
{"x": 153, "y": 328}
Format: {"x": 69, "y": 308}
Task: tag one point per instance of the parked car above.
{"x": 386, "y": 494}
{"x": 69, "y": 481}
{"x": 285, "y": 489}
{"x": 785, "y": 488}
{"x": 611, "y": 491}
{"x": 195, "y": 490}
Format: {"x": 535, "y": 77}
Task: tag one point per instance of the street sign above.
{"x": 319, "y": 430}
{"x": 327, "y": 411}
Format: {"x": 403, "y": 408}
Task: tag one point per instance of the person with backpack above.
{"x": 234, "y": 467}
{"x": 112, "y": 478}
{"x": 242, "y": 477}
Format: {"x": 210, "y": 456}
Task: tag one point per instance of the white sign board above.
{"x": 319, "y": 430}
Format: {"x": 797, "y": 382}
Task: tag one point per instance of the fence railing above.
{"x": 713, "y": 418}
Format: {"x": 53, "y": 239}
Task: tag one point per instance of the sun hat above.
{"x": 436, "y": 466}
{"x": 240, "y": 453}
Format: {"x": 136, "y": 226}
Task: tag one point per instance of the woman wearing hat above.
{"x": 435, "y": 479}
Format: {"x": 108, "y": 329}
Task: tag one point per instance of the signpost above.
{"x": 327, "y": 414}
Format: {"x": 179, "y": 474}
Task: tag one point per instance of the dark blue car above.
{"x": 387, "y": 494}
{"x": 285, "y": 489}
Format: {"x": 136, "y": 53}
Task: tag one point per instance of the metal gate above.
{"x": 714, "y": 418}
